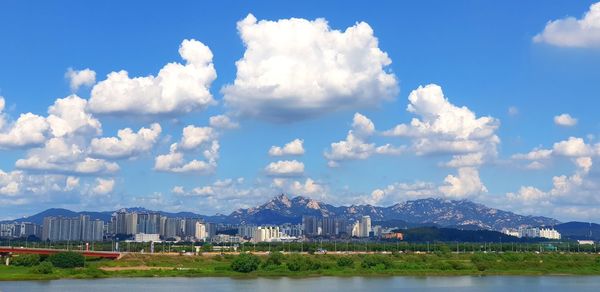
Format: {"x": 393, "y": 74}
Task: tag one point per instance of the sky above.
{"x": 210, "y": 107}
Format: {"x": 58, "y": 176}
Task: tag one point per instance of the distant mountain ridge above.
{"x": 432, "y": 211}
{"x": 461, "y": 214}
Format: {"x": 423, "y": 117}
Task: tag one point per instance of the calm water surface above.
{"x": 491, "y": 283}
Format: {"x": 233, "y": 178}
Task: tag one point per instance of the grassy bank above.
{"x": 275, "y": 265}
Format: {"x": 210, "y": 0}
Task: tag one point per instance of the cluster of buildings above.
{"x": 143, "y": 226}
{"x": 326, "y": 226}
{"x": 152, "y": 224}
{"x": 533, "y": 232}
{"x": 20, "y": 230}
{"x": 80, "y": 228}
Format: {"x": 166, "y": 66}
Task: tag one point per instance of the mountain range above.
{"x": 461, "y": 214}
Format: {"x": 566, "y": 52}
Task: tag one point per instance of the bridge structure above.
{"x": 7, "y": 251}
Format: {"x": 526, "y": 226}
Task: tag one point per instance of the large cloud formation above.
{"x": 572, "y": 32}
{"x": 176, "y": 89}
{"x": 445, "y": 128}
{"x": 295, "y": 69}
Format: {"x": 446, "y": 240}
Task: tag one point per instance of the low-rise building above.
{"x": 393, "y": 235}
{"x": 146, "y": 237}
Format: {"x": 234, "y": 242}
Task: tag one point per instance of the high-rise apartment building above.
{"x": 310, "y": 225}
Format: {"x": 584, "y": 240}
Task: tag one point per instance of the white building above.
{"x": 143, "y": 237}
{"x": 365, "y": 226}
{"x": 549, "y": 233}
{"x": 590, "y": 242}
{"x": 355, "y": 229}
{"x": 267, "y": 234}
{"x": 200, "y": 231}
{"x": 511, "y": 232}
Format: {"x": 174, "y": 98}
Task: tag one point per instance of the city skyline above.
{"x": 215, "y": 108}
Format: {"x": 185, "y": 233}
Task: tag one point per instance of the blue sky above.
{"x": 518, "y": 65}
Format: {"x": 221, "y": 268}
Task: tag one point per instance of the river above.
{"x": 467, "y": 283}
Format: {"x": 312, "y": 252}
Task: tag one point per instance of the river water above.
{"x": 371, "y": 284}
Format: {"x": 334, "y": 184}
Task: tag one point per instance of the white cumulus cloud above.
{"x": 565, "y": 120}
{"x": 573, "y": 32}
{"x": 127, "y": 144}
{"x": 295, "y": 68}
{"x": 63, "y": 156}
{"x": 177, "y": 88}
{"x": 356, "y": 145}
{"x": 285, "y": 168}
{"x": 295, "y": 147}
{"x": 69, "y": 116}
{"x": 223, "y": 122}
{"x": 78, "y": 78}
{"x": 174, "y": 161}
{"x": 445, "y": 128}
{"x": 104, "y": 186}
{"x": 194, "y": 136}
{"x": 466, "y": 183}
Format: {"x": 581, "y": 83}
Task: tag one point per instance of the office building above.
{"x": 365, "y": 226}
{"x": 310, "y": 226}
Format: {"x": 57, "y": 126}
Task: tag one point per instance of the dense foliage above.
{"x": 44, "y": 267}
{"x": 345, "y": 261}
{"x": 245, "y": 263}
{"x": 298, "y": 262}
{"x": 67, "y": 260}
{"x": 274, "y": 259}
{"x": 376, "y": 260}
{"x": 26, "y": 260}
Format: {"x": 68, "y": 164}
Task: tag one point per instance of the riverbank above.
{"x": 336, "y": 265}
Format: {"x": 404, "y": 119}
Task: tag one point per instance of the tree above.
{"x": 26, "y": 260}
{"x": 44, "y": 267}
{"x": 298, "y": 262}
{"x": 245, "y": 263}
{"x": 371, "y": 261}
{"x": 274, "y": 259}
{"x": 67, "y": 260}
{"x": 345, "y": 262}
{"x": 207, "y": 247}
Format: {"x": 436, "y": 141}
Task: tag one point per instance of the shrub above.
{"x": 44, "y": 267}
{"x": 207, "y": 247}
{"x": 245, "y": 263}
{"x": 274, "y": 259}
{"x": 67, "y": 260}
{"x": 371, "y": 261}
{"x": 345, "y": 262}
{"x": 302, "y": 263}
{"x": 443, "y": 250}
{"x": 26, "y": 260}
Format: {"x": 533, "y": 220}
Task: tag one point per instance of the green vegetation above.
{"x": 418, "y": 239}
{"x": 26, "y": 260}
{"x": 44, "y": 267}
{"x": 442, "y": 262}
{"x": 345, "y": 261}
{"x": 298, "y": 262}
{"x": 245, "y": 263}
{"x": 67, "y": 260}
{"x": 274, "y": 259}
